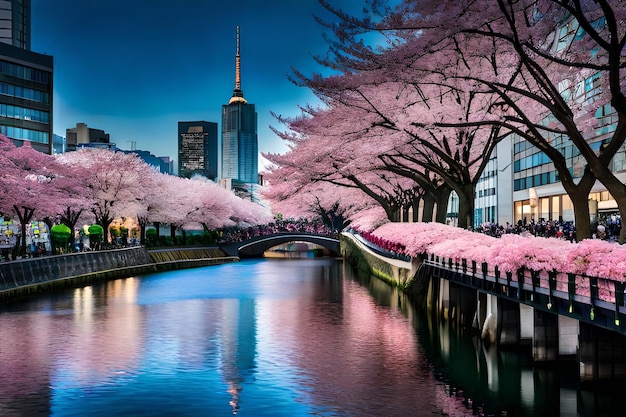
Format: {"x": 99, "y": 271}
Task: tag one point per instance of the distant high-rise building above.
{"x": 82, "y": 135}
{"x": 167, "y": 165}
{"x": 240, "y": 149}
{"x": 197, "y": 149}
{"x": 25, "y": 80}
{"x": 58, "y": 144}
{"x": 15, "y": 23}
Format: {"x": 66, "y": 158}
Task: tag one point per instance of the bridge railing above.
{"x": 239, "y": 234}
{"x": 596, "y": 300}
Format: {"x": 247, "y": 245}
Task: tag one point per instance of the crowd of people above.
{"x": 240, "y": 234}
{"x": 605, "y": 229}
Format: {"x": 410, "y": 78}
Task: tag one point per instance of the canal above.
{"x": 262, "y": 338}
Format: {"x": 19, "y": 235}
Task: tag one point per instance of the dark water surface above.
{"x": 261, "y": 338}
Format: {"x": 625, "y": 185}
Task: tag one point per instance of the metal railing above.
{"x": 598, "y": 301}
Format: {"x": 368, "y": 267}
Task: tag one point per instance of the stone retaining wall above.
{"x": 400, "y": 274}
{"x": 37, "y": 275}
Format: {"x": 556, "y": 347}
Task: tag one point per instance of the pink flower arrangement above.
{"x": 595, "y": 258}
{"x": 598, "y": 258}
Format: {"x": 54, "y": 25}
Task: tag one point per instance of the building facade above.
{"x": 15, "y": 23}
{"x": 529, "y": 188}
{"x": 197, "y": 149}
{"x": 26, "y": 81}
{"x": 240, "y": 149}
{"x": 82, "y": 135}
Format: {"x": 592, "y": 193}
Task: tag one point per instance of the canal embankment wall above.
{"x": 37, "y": 275}
{"x": 396, "y": 272}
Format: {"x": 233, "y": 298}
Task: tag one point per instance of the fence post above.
{"x": 619, "y": 299}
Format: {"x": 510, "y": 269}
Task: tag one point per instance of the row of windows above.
{"x": 570, "y": 152}
{"x": 486, "y": 175}
{"x": 531, "y": 161}
{"x": 587, "y": 90}
{"x": 573, "y": 32}
{"x": 25, "y": 134}
{"x": 607, "y": 119}
{"x": 575, "y": 165}
{"x": 484, "y": 215}
{"x": 22, "y": 113}
{"x": 486, "y": 192}
{"x": 535, "y": 180}
{"x": 25, "y": 73}
{"x": 25, "y": 93}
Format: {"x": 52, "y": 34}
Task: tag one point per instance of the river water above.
{"x": 262, "y": 338}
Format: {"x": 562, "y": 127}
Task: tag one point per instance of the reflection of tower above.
{"x": 239, "y": 134}
{"x": 239, "y": 346}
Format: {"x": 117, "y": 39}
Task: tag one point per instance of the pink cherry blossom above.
{"x": 510, "y": 253}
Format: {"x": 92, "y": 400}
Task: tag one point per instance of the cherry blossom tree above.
{"x": 335, "y": 205}
{"x": 117, "y": 182}
{"x": 392, "y": 129}
{"x": 556, "y": 66}
{"x": 328, "y": 145}
{"x": 157, "y": 200}
{"x": 70, "y": 209}
{"x": 32, "y": 183}
{"x": 197, "y": 204}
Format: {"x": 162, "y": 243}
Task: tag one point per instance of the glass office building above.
{"x": 240, "y": 148}
{"x": 15, "y": 23}
{"x": 537, "y": 190}
{"x": 197, "y": 149}
{"x": 25, "y": 80}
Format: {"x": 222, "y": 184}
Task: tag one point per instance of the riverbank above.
{"x": 32, "y": 276}
{"x": 37, "y": 275}
{"x": 395, "y": 272}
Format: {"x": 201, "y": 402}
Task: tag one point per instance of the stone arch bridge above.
{"x": 256, "y": 246}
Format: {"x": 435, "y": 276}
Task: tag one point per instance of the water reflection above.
{"x": 261, "y": 338}
{"x": 475, "y": 379}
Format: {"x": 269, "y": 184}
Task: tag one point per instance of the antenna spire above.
{"x": 237, "y": 94}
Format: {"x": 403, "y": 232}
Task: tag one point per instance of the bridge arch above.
{"x": 255, "y": 247}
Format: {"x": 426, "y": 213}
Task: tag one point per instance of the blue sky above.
{"x": 134, "y": 68}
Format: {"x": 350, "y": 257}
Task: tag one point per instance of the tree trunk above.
{"x": 622, "y": 212}
{"x": 601, "y": 168}
{"x": 442, "y": 196}
{"x": 582, "y": 221}
{"x": 24, "y": 218}
{"x": 466, "y": 205}
{"x": 142, "y": 230}
{"x": 393, "y": 214}
{"x": 428, "y": 208}
{"x": 405, "y": 214}
{"x": 579, "y": 194}
{"x": 70, "y": 218}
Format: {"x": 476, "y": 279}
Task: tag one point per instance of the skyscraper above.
{"x": 25, "y": 80}
{"x": 15, "y": 23}
{"x": 197, "y": 149}
{"x": 240, "y": 147}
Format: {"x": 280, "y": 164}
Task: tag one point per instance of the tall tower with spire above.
{"x": 240, "y": 149}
